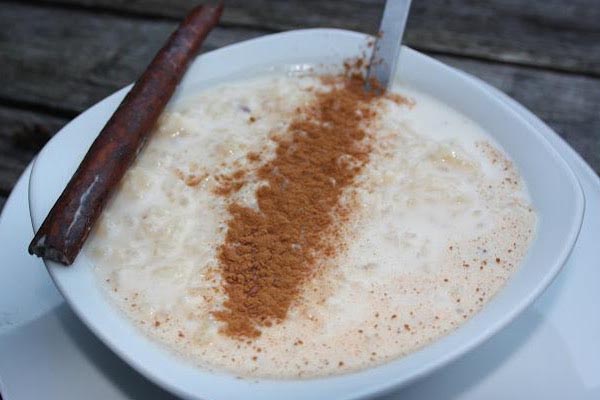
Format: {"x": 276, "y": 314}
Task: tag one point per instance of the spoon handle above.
{"x": 387, "y": 46}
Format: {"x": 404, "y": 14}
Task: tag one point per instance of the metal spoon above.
{"x": 382, "y": 67}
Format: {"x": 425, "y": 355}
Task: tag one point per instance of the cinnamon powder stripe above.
{"x": 268, "y": 253}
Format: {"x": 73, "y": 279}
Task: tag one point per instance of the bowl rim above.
{"x": 369, "y": 389}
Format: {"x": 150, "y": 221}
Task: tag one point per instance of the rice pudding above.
{"x": 425, "y": 220}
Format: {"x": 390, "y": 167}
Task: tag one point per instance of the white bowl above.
{"x": 554, "y": 189}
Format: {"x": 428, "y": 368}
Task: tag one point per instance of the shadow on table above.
{"x": 131, "y": 383}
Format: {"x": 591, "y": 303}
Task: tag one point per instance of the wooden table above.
{"x": 58, "y": 57}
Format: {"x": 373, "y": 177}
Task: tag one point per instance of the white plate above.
{"x": 550, "y": 352}
{"x": 555, "y": 192}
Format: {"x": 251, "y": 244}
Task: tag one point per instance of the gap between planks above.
{"x": 555, "y": 34}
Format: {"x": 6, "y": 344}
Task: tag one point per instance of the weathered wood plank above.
{"x": 559, "y": 34}
{"x": 70, "y": 59}
{"x": 22, "y": 134}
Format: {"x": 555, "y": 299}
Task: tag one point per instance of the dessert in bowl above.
{"x": 444, "y": 197}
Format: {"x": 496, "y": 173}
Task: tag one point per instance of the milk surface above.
{"x": 442, "y": 219}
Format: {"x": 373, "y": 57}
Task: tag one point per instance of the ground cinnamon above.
{"x": 268, "y": 253}
{"x": 231, "y": 183}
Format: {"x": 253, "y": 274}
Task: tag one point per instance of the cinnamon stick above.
{"x": 67, "y": 226}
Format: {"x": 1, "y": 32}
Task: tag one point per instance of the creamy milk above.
{"x": 443, "y": 221}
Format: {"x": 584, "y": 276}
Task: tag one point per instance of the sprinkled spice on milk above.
{"x": 297, "y": 226}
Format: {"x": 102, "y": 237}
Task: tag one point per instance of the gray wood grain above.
{"x": 69, "y": 59}
{"x": 558, "y": 34}
{"x": 22, "y": 134}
